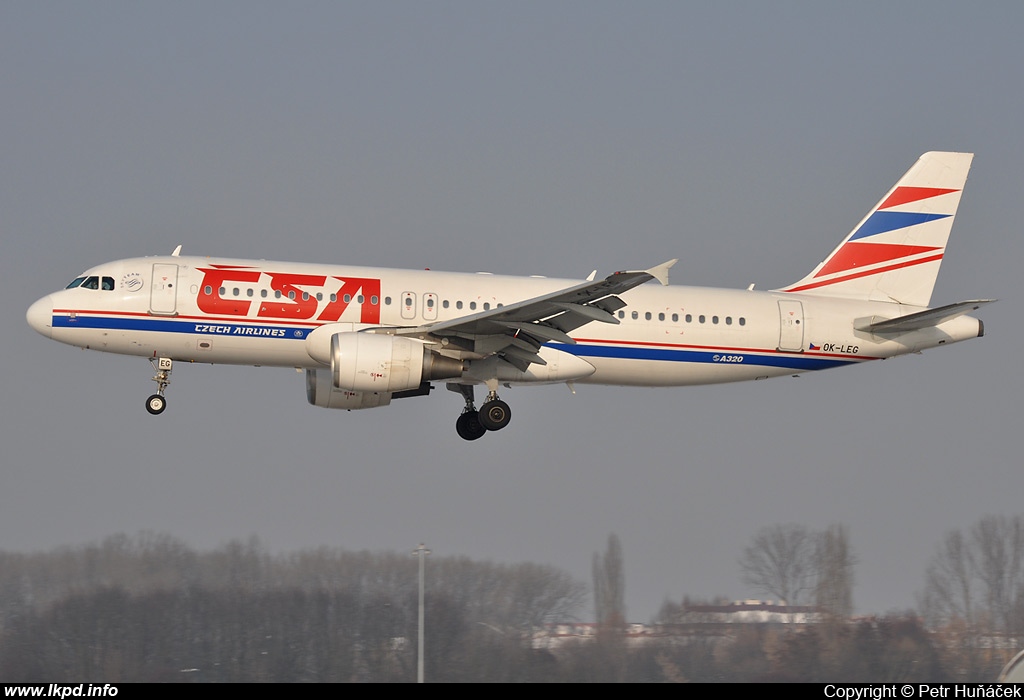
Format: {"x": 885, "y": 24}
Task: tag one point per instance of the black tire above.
{"x": 156, "y": 404}
{"x": 468, "y": 426}
{"x": 495, "y": 415}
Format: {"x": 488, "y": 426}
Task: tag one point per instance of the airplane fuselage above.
{"x": 228, "y": 311}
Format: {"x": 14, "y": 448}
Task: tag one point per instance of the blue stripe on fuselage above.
{"x": 702, "y": 356}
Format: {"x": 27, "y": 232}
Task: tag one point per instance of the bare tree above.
{"x": 610, "y": 586}
{"x": 780, "y": 562}
{"x": 978, "y": 578}
{"x": 999, "y": 557}
{"x": 833, "y": 564}
{"x": 948, "y": 593}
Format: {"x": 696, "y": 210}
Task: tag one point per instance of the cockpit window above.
{"x": 75, "y": 283}
{"x": 91, "y": 283}
{"x": 108, "y": 283}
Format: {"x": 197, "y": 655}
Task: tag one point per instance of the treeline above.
{"x": 150, "y": 609}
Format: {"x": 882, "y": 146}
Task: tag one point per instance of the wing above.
{"x": 517, "y": 331}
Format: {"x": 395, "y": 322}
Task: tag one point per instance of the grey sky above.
{"x": 528, "y": 138}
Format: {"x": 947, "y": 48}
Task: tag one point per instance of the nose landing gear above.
{"x": 156, "y": 403}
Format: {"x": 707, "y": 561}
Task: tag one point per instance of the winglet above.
{"x": 660, "y": 272}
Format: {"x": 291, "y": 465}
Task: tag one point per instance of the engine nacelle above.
{"x": 320, "y": 391}
{"x": 370, "y": 362}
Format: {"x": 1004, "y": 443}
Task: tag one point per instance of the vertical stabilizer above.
{"x": 894, "y": 253}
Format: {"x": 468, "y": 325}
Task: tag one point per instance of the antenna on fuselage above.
{"x": 177, "y": 252}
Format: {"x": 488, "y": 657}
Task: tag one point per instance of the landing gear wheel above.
{"x": 495, "y": 414}
{"x": 468, "y": 426}
{"x": 156, "y": 404}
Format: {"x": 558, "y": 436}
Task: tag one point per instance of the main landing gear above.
{"x": 156, "y": 403}
{"x": 494, "y": 414}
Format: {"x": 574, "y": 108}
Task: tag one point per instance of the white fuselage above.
{"x": 198, "y": 309}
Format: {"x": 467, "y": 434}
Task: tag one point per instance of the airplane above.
{"x": 365, "y": 336}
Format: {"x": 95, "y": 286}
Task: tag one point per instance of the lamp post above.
{"x": 420, "y": 552}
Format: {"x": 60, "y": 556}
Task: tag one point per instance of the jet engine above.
{"x": 320, "y": 391}
{"x": 370, "y": 362}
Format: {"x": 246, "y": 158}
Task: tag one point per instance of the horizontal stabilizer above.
{"x": 923, "y": 319}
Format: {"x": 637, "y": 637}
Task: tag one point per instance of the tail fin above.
{"x": 894, "y": 253}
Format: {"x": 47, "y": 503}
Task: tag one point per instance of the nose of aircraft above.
{"x": 40, "y": 316}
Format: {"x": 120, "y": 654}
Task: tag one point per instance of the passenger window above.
{"x": 635, "y": 315}
{"x": 291, "y": 294}
{"x": 444, "y": 304}
{"x": 714, "y": 319}
{"x": 263, "y": 293}
{"x": 701, "y": 318}
{"x": 234, "y": 292}
{"x": 487, "y": 306}
{"x": 359, "y": 299}
{"x": 472, "y": 305}
{"x": 374, "y": 300}
{"x": 458, "y": 305}
{"x": 207, "y": 290}
{"x": 675, "y": 318}
{"x": 743, "y": 321}
{"x": 430, "y": 303}
{"x": 248, "y": 292}
{"x": 648, "y": 315}
{"x": 387, "y": 301}
{"x": 622, "y": 314}
{"x": 689, "y": 318}
{"x": 728, "y": 320}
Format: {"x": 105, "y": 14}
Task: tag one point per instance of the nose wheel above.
{"x": 156, "y": 403}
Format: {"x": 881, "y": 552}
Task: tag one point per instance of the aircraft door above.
{"x": 430, "y": 306}
{"x": 163, "y": 290}
{"x": 791, "y": 326}
{"x": 408, "y": 305}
